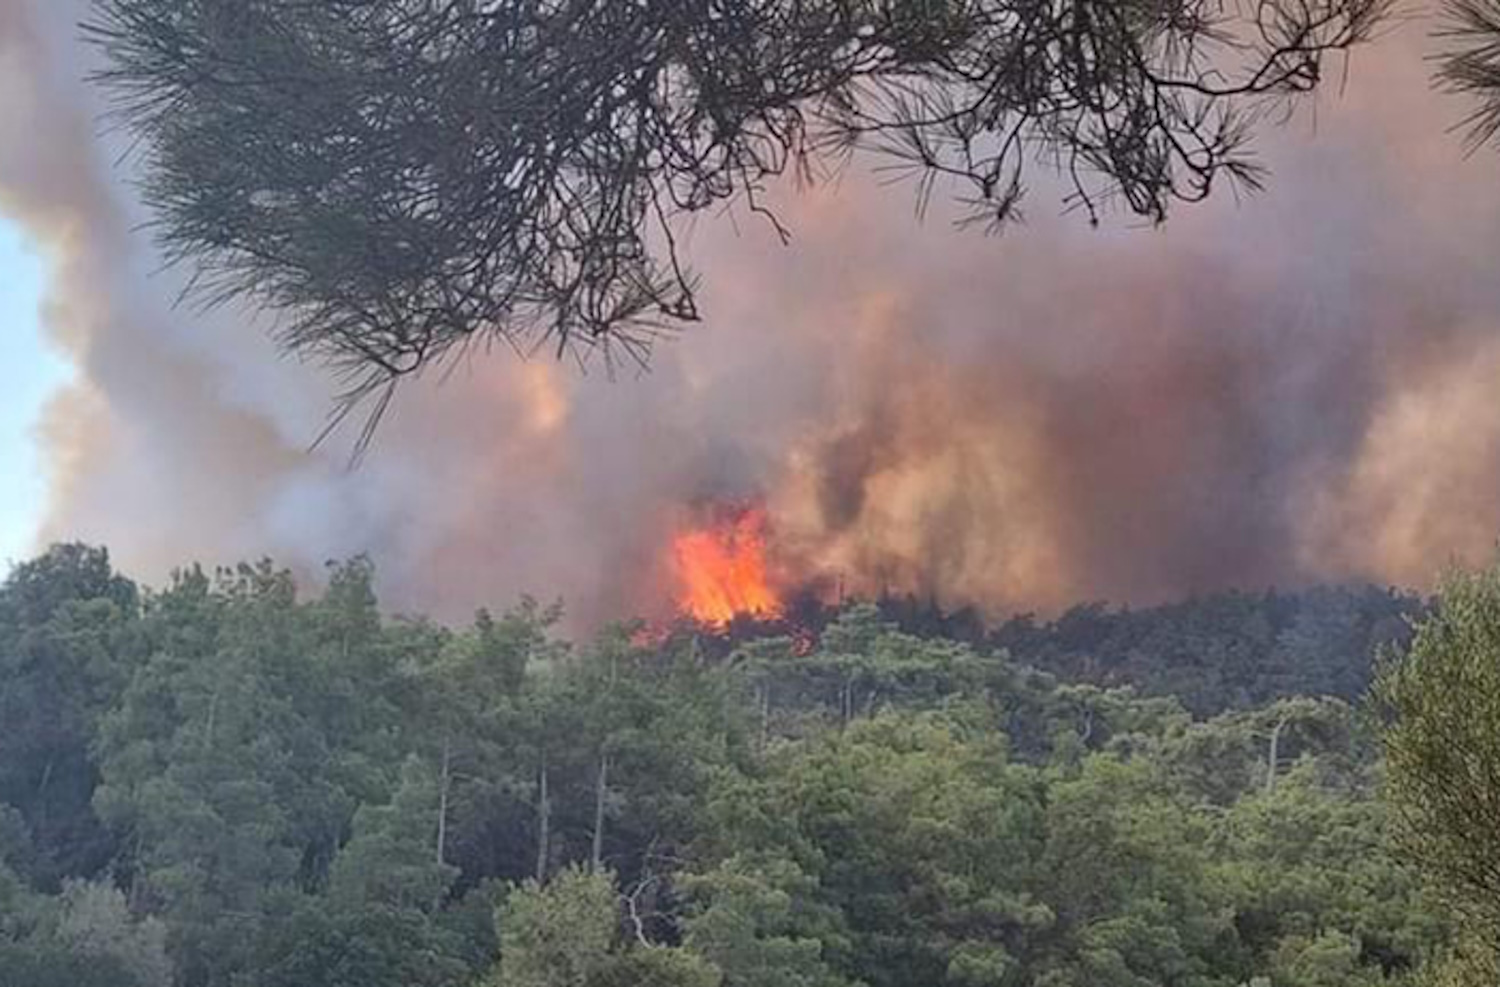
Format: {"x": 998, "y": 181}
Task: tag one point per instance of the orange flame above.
{"x": 722, "y": 570}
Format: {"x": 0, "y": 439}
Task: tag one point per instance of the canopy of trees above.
{"x": 226, "y": 784}
{"x": 405, "y": 178}
{"x": 1441, "y": 701}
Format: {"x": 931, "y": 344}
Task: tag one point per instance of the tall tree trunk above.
{"x": 133, "y": 896}
{"x": 1273, "y": 755}
{"x": 41, "y": 801}
{"x": 213, "y": 712}
{"x": 601, "y": 789}
{"x": 41, "y": 787}
{"x": 543, "y": 824}
{"x": 765, "y": 714}
{"x": 443, "y": 783}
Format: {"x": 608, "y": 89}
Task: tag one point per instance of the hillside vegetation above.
{"x": 226, "y": 784}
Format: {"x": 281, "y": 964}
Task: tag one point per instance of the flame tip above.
{"x": 722, "y": 569}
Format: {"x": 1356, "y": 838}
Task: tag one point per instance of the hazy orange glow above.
{"x": 722, "y": 570}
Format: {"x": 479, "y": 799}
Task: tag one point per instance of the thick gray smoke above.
{"x": 1295, "y": 387}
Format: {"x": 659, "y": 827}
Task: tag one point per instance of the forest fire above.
{"x": 721, "y": 568}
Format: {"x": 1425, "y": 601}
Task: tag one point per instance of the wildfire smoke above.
{"x": 1298, "y": 388}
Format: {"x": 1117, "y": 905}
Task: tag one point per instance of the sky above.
{"x": 29, "y": 371}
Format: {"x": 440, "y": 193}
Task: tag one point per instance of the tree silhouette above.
{"x": 404, "y": 179}
{"x": 1470, "y": 65}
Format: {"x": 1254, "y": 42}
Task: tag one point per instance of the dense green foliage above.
{"x": 223, "y": 784}
{"x": 1441, "y": 700}
{"x": 1235, "y": 650}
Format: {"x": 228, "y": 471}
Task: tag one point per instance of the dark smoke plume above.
{"x": 1292, "y": 388}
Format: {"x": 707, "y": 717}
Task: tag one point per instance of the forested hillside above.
{"x": 1228, "y": 651}
{"x": 227, "y": 784}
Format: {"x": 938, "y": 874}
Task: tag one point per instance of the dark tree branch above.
{"x": 405, "y": 178}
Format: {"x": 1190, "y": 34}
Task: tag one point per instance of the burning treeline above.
{"x": 1294, "y": 388}
{"x": 721, "y": 567}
